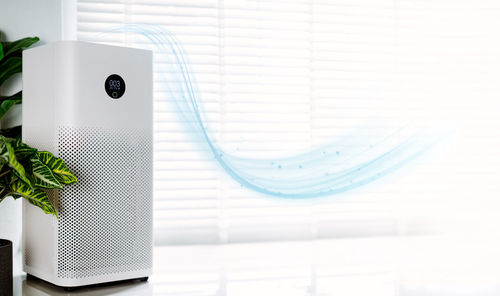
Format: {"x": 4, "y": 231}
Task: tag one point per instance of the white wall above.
{"x": 18, "y": 19}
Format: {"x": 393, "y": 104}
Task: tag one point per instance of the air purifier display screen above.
{"x": 114, "y": 86}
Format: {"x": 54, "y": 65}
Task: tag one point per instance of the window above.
{"x": 281, "y": 77}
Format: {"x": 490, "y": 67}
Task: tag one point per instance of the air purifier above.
{"x": 91, "y": 105}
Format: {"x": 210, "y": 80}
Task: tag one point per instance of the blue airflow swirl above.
{"x": 323, "y": 171}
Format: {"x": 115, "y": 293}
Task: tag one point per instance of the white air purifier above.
{"x": 91, "y": 105}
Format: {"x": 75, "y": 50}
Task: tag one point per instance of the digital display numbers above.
{"x": 114, "y": 86}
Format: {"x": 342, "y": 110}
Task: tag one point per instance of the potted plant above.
{"x": 25, "y": 172}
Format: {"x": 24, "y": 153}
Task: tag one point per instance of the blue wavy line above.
{"x": 316, "y": 173}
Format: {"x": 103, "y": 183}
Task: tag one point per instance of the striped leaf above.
{"x": 36, "y": 197}
{"x": 58, "y": 167}
{"x": 42, "y": 175}
{"x": 8, "y": 156}
{"x": 23, "y": 151}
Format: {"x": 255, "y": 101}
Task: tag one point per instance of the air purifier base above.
{"x": 31, "y": 277}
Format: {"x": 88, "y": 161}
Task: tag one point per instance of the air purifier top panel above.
{"x": 97, "y": 85}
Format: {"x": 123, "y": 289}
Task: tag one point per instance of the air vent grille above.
{"x": 105, "y": 221}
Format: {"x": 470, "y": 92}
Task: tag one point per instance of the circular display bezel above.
{"x": 114, "y": 86}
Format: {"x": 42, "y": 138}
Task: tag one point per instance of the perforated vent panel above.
{"x": 105, "y": 221}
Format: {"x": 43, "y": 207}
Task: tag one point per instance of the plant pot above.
{"x": 5, "y": 267}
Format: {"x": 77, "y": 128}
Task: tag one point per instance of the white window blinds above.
{"x": 284, "y": 76}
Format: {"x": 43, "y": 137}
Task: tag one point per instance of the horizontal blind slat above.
{"x": 278, "y": 77}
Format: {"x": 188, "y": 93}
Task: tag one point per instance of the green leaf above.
{"x": 18, "y": 96}
{"x": 58, "y": 167}
{"x": 1, "y": 51}
{"x": 19, "y": 45}
{"x": 6, "y": 103}
{"x": 5, "y": 106}
{"x": 4, "y": 184}
{"x": 9, "y": 67}
{"x": 43, "y": 175}
{"x": 22, "y": 150}
{"x": 37, "y": 197}
{"x": 8, "y": 156}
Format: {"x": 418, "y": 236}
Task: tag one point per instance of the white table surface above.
{"x": 416, "y": 266}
